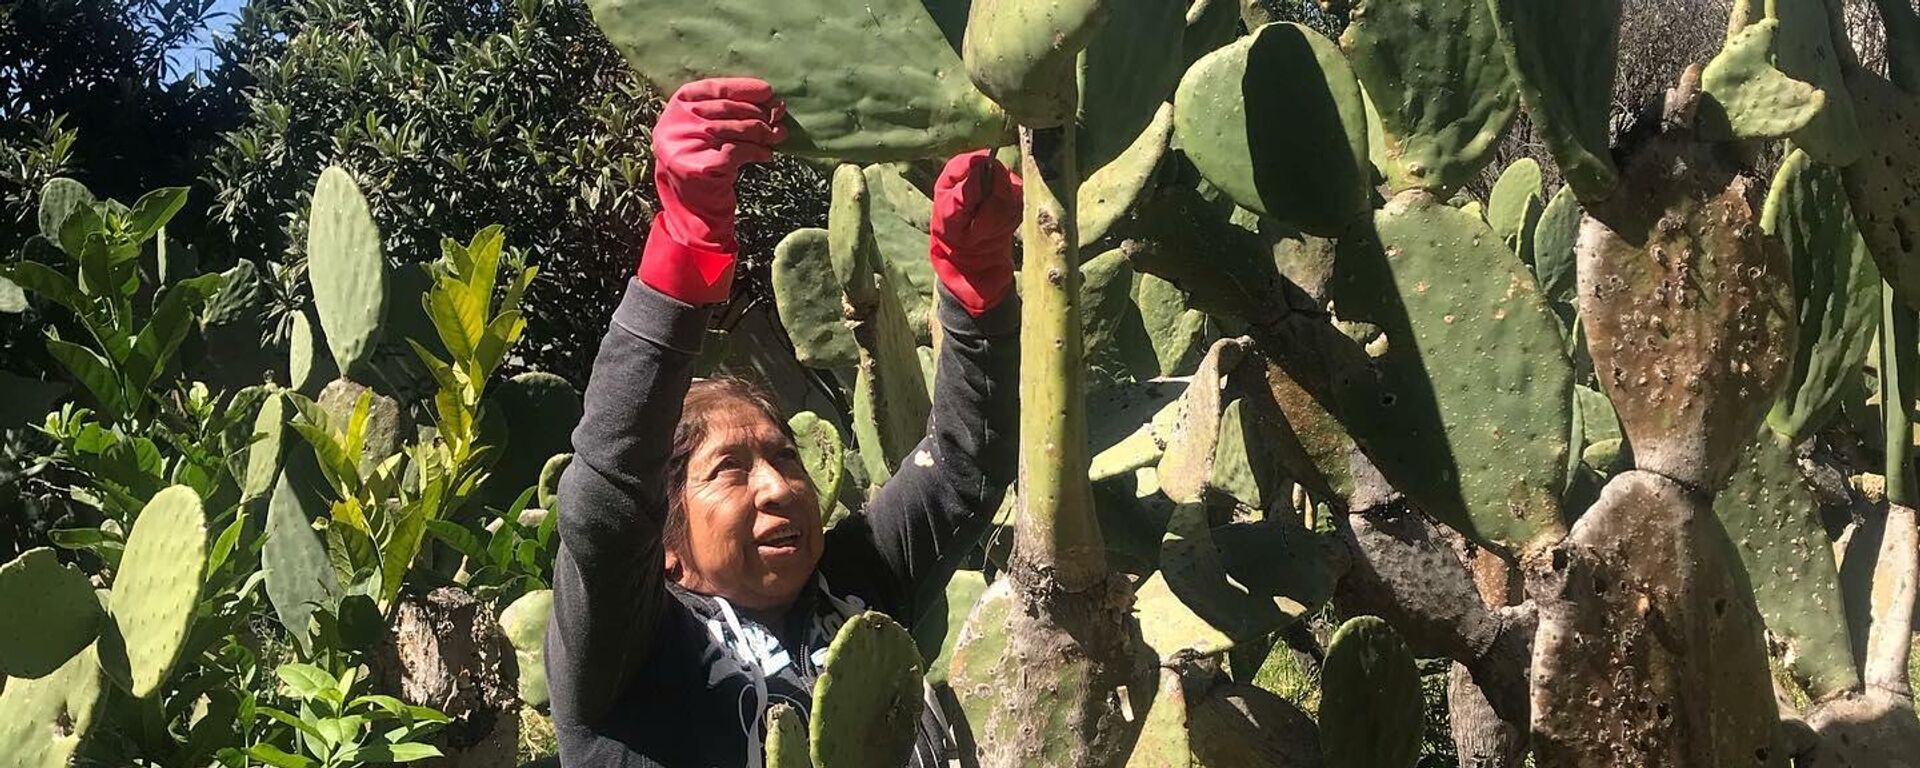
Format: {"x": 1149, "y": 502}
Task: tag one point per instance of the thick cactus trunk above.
{"x": 1048, "y": 669}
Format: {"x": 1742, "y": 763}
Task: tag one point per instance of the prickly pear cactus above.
{"x": 158, "y": 584}
{"x": 1880, "y": 184}
{"x": 867, "y": 703}
{"x": 823, "y": 453}
{"x": 299, "y": 577}
{"x": 56, "y": 615}
{"x": 1562, "y": 57}
{"x": 525, "y": 624}
{"x": 1640, "y": 611}
{"x": 1443, "y": 92}
{"x": 43, "y": 721}
{"x": 1023, "y": 54}
{"x": 786, "y": 738}
{"x": 1751, "y": 99}
{"x": 1554, "y": 237}
{"x": 541, "y": 410}
{"x": 1275, "y": 120}
{"x": 58, "y": 200}
{"x": 1774, "y": 522}
{"x": 1804, "y": 50}
{"x": 898, "y": 90}
{"x": 1515, "y": 205}
{"x": 1482, "y": 448}
{"x": 346, "y": 269}
{"x": 1684, "y": 304}
{"x": 1370, "y": 703}
{"x": 1836, "y": 291}
{"x": 808, "y": 297}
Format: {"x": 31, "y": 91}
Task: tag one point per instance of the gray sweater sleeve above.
{"x": 938, "y": 504}
{"x": 608, "y": 581}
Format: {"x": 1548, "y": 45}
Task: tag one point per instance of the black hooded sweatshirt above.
{"x": 644, "y": 673}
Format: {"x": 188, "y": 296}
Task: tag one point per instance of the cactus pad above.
{"x": 1881, "y": 185}
{"x": 1256, "y": 579}
{"x": 1187, "y": 468}
{"x": 1755, "y": 100}
{"x": 848, "y": 242}
{"x": 55, "y": 614}
{"x": 59, "y": 198}
{"x": 158, "y": 585}
{"x": 1836, "y": 291}
{"x": 901, "y": 216}
{"x": 1127, "y": 72}
{"x": 863, "y": 80}
{"x": 525, "y": 624}
{"x": 1804, "y": 51}
{"x": 1163, "y": 737}
{"x": 938, "y": 628}
{"x": 823, "y": 453}
{"x": 1023, "y": 54}
{"x": 786, "y": 738}
{"x": 1774, "y": 522}
{"x": 1642, "y": 610}
{"x": 541, "y": 410}
{"x": 43, "y": 721}
{"x": 1109, "y": 192}
{"x": 1177, "y": 332}
{"x": 1437, "y": 79}
{"x": 1684, "y": 303}
{"x": 1371, "y": 709}
{"x": 1276, "y": 121}
{"x": 344, "y": 265}
{"x": 807, "y": 295}
{"x": 550, "y": 474}
{"x": 1562, "y": 55}
{"x": 867, "y": 703}
{"x": 1482, "y": 447}
{"x": 1553, "y": 260}
{"x": 299, "y": 577}
{"x": 1515, "y": 205}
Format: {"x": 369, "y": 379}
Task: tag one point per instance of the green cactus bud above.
{"x": 1685, "y": 310}
{"x": 1774, "y": 520}
{"x": 786, "y": 738}
{"x": 541, "y": 410}
{"x": 850, "y": 237}
{"x": 899, "y": 91}
{"x": 1836, "y": 291}
{"x": 158, "y": 584}
{"x": 1642, "y": 606}
{"x": 56, "y": 615}
{"x": 1607, "y": 457}
{"x": 1441, "y": 286}
{"x": 1370, "y": 703}
{"x": 1436, "y": 77}
{"x": 299, "y": 577}
{"x": 43, "y": 721}
{"x": 1276, "y": 121}
{"x": 808, "y": 297}
{"x": 1755, "y": 100}
{"x": 867, "y": 702}
{"x": 348, "y": 274}
{"x": 525, "y": 624}
{"x": 1562, "y": 56}
{"x": 823, "y": 454}
{"x": 1022, "y": 54}
{"x": 549, "y": 493}
{"x": 1514, "y": 207}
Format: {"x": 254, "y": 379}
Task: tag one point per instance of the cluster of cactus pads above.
{"x": 1274, "y": 357}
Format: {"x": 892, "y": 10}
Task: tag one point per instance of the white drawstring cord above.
{"x": 752, "y": 656}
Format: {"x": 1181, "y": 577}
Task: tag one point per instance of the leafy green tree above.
{"x": 453, "y": 115}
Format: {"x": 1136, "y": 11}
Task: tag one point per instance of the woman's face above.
{"x": 753, "y": 520}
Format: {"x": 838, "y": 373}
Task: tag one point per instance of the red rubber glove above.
{"x": 708, "y": 130}
{"x": 976, "y": 208}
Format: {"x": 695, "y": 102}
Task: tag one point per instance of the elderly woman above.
{"x": 694, "y": 586}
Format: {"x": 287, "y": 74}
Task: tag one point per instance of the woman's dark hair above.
{"x": 704, "y": 397}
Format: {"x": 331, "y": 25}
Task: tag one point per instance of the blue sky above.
{"x": 197, "y": 55}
